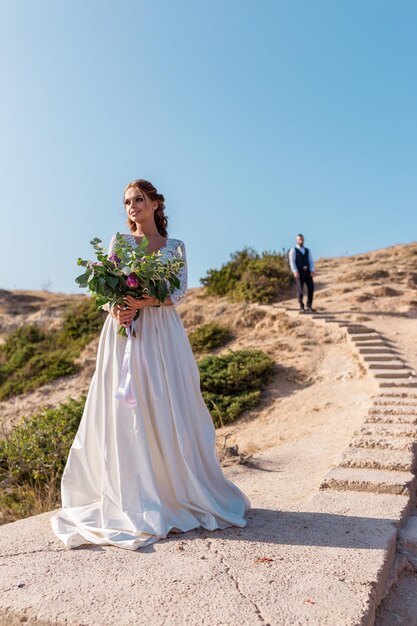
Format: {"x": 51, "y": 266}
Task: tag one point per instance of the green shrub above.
{"x": 82, "y": 320}
{"x": 34, "y": 454}
{"x": 31, "y": 357}
{"x": 251, "y": 277}
{"x": 223, "y": 281}
{"x": 264, "y": 280}
{"x": 33, "y": 457}
{"x": 37, "y": 447}
{"x": 209, "y": 336}
{"x": 233, "y": 382}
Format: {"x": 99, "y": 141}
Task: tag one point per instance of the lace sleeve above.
{"x": 178, "y": 294}
{"x": 112, "y": 245}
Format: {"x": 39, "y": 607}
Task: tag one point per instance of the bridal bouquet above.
{"x": 129, "y": 270}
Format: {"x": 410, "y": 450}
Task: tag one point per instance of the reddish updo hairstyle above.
{"x": 148, "y": 189}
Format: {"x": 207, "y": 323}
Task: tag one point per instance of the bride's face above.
{"x": 139, "y": 207}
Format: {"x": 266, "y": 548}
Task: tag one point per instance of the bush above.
{"x": 34, "y": 454}
{"x": 209, "y": 336}
{"x": 33, "y": 457}
{"x": 251, "y": 277}
{"x": 31, "y": 357}
{"x": 233, "y": 382}
{"x": 223, "y": 281}
{"x": 82, "y": 321}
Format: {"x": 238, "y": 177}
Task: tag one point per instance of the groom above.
{"x": 302, "y": 266}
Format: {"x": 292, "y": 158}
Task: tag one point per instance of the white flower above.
{"x": 126, "y": 270}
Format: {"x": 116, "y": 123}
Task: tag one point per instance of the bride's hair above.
{"x": 161, "y": 219}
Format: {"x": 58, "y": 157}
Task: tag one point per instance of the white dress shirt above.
{"x": 291, "y": 258}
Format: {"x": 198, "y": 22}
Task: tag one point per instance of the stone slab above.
{"x": 387, "y": 365}
{"x": 384, "y": 409}
{"x": 378, "y": 351}
{"x": 392, "y": 430}
{"x": 364, "y": 337}
{"x": 325, "y": 563}
{"x": 370, "y": 344}
{"x": 386, "y": 373}
{"x": 376, "y": 481}
{"x": 372, "y": 458}
{"x": 391, "y": 418}
{"x": 402, "y": 397}
{"x": 397, "y": 384}
{"x": 378, "y": 357}
{"x": 383, "y": 442}
{"x": 359, "y": 330}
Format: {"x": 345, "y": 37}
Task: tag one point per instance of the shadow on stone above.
{"x": 301, "y": 528}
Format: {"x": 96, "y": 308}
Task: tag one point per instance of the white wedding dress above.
{"x": 135, "y": 471}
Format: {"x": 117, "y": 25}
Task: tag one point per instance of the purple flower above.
{"x": 132, "y": 281}
{"x": 114, "y": 258}
{"x": 96, "y": 263}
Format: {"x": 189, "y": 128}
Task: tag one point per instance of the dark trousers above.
{"x": 308, "y": 280}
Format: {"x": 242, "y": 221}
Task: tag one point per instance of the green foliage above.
{"x": 209, "y": 336}
{"x": 264, "y": 279}
{"x": 82, "y": 320}
{"x": 37, "y": 448}
{"x": 233, "y": 382}
{"x": 251, "y": 277}
{"x": 31, "y": 357}
{"x": 106, "y": 280}
{"x": 223, "y": 281}
{"x": 33, "y": 457}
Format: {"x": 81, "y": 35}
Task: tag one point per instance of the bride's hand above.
{"x": 123, "y": 316}
{"x": 134, "y": 304}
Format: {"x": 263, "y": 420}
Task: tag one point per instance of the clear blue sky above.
{"x": 256, "y": 120}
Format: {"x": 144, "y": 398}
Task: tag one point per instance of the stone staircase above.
{"x": 381, "y": 457}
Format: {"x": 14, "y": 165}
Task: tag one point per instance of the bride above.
{"x": 143, "y": 466}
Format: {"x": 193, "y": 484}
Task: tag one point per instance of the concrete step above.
{"x": 379, "y": 358}
{"x": 401, "y": 396}
{"x": 330, "y": 563}
{"x": 383, "y": 442}
{"x": 386, "y": 365}
{"x": 377, "y": 481}
{"x": 381, "y": 373}
{"x": 323, "y": 316}
{"x": 391, "y": 430}
{"x": 397, "y": 401}
{"x": 381, "y": 351}
{"x": 370, "y": 344}
{"x": 359, "y": 330}
{"x": 365, "y": 337}
{"x": 399, "y": 384}
{"x": 394, "y": 460}
{"x": 393, "y": 410}
{"x": 391, "y": 418}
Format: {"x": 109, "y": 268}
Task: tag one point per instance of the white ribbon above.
{"x": 124, "y": 391}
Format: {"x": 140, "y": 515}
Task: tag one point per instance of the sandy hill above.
{"x": 317, "y": 545}
{"x": 361, "y": 287}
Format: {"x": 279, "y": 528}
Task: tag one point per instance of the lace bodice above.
{"x": 172, "y": 247}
